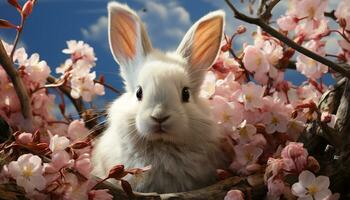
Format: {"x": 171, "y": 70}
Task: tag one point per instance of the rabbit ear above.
{"x": 128, "y": 41}
{"x": 201, "y": 44}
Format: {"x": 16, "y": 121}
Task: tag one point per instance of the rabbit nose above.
{"x": 160, "y": 119}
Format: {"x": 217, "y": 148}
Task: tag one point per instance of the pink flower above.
{"x": 77, "y": 130}
{"x": 234, "y": 195}
{"x": 247, "y": 154}
{"x": 275, "y": 122}
{"x": 312, "y": 9}
{"x": 252, "y": 96}
{"x": 37, "y": 70}
{"x": 312, "y": 30}
{"x": 343, "y": 12}
{"x": 83, "y": 164}
{"x": 80, "y": 50}
{"x": 294, "y": 156}
{"x": 244, "y": 132}
{"x": 226, "y": 112}
{"x": 59, "y": 160}
{"x": 85, "y": 87}
{"x": 58, "y": 143}
{"x": 25, "y": 138}
{"x": 208, "y": 86}
{"x": 28, "y": 172}
{"x": 275, "y": 188}
{"x": 311, "y": 187}
{"x": 287, "y": 23}
{"x": 100, "y": 195}
{"x": 309, "y": 67}
{"x": 254, "y": 60}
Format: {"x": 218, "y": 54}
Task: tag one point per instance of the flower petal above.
{"x": 298, "y": 190}
{"x": 306, "y": 178}
{"x": 322, "y": 182}
{"x": 322, "y": 194}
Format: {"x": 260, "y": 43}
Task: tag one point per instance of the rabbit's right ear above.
{"x": 128, "y": 41}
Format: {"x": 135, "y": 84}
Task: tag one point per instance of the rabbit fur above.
{"x": 185, "y": 152}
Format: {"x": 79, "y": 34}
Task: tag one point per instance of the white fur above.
{"x": 187, "y": 155}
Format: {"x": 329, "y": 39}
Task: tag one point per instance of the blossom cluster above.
{"x": 58, "y": 164}
{"x": 77, "y": 68}
{"x": 263, "y": 114}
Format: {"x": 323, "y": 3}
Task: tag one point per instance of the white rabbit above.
{"x": 160, "y": 120}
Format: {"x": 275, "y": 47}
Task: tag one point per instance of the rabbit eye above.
{"x": 185, "y": 94}
{"x": 139, "y": 93}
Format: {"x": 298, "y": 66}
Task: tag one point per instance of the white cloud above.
{"x": 166, "y": 22}
{"x": 97, "y": 31}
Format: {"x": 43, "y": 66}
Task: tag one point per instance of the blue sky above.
{"x": 53, "y": 22}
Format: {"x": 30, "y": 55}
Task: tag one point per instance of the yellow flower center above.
{"x": 312, "y": 12}
{"x": 274, "y": 120}
{"x": 312, "y": 190}
{"x": 249, "y": 98}
{"x": 27, "y": 171}
{"x": 243, "y": 132}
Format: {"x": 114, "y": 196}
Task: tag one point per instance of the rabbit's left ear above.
{"x": 201, "y": 44}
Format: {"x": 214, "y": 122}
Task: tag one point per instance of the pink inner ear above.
{"x": 206, "y": 42}
{"x": 123, "y": 35}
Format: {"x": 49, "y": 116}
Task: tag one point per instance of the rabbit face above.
{"x": 164, "y": 95}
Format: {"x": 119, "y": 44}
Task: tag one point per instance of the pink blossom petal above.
{"x": 306, "y": 178}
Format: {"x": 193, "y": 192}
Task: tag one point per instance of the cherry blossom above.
{"x": 295, "y": 157}
{"x": 309, "y": 67}
{"x": 252, "y": 96}
{"x": 37, "y": 70}
{"x": 244, "y": 132}
{"x": 80, "y": 50}
{"x": 58, "y": 143}
{"x": 287, "y": 23}
{"x": 234, "y": 195}
{"x": 311, "y": 187}
{"x": 343, "y": 12}
{"x": 77, "y": 130}
{"x": 254, "y": 60}
{"x": 28, "y": 172}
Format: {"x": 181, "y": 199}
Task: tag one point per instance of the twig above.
{"x": 266, "y": 15}
{"x": 108, "y": 86}
{"x": 18, "y": 35}
{"x": 78, "y": 103}
{"x": 17, "y": 82}
{"x": 344, "y": 70}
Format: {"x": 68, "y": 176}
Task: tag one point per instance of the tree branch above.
{"x": 17, "y": 82}
{"x": 342, "y": 69}
{"x": 266, "y": 15}
{"x": 213, "y": 192}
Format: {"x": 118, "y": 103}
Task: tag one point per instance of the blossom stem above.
{"x": 342, "y": 69}
{"x": 108, "y": 86}
{"x": 18, "y": 35}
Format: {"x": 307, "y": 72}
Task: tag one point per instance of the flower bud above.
{"x": 342, "y": 22}
{"x": 312, "y": 164}
{"x": 27, "y": 8}
{"x": 241, "y": 29}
